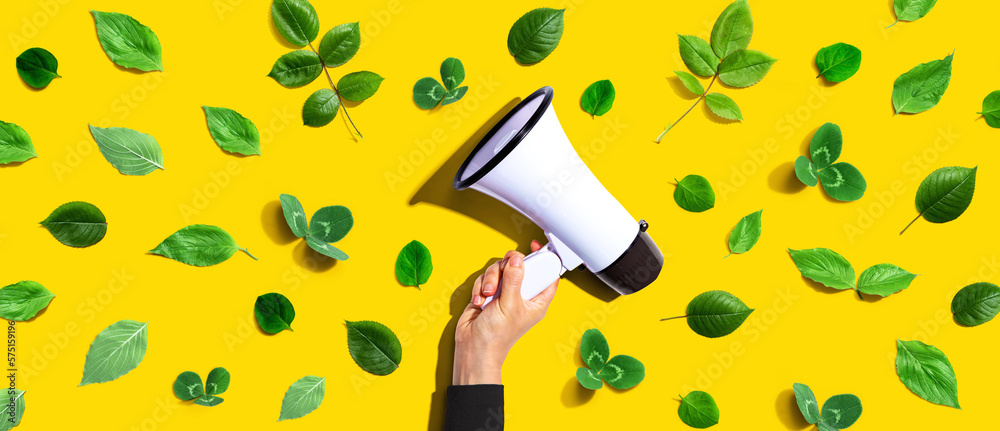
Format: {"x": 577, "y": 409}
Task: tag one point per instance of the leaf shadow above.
{"x": 311, "y": 260}
{"x": 715, "y": 118}
{"x": 575, "y": 395}
{"x": 679, "y": 88}
{"x": 272, "y": 219}
{"x": 788, "y": 411}
{"x": 13, "y": 164}
{"x": 822, "y": 288}
{"x": 807, "y": 141}
{"x": 33, "y": 89}
{"x": 783, "y": 179}
{"x": 276, "y": 34}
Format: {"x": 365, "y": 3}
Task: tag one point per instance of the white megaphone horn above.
{"x": 527, "y": 162}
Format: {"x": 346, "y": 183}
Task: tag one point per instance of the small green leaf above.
{"x": 826, "y": 144}
{"x": 129, "y": 151}
{"x": 945, "y": 194}
{"x": 922, "y": 87}
{"x": 744, "y": 68}
{"x": 325, "y": 249}
{"x": 690, "y": 82}
{"x": 374, "y": 347}
{"x": 698, "y": 55}
{"x": 427, "y": 93}
{"x": 217, "y": 381}
{"x": 535, "y": 35}
{"x": 623, "y": 372}
{"x": 716, "y": 313}
{"x": 806, "y": 171}
{"x": 974, "y": 305}
{"x": 824, "y": 266}
{"x": 320, "y": 108}
{"x": 926, "y": 371}
{"x": 302, "y": 397}
{"x": 413, "y": 265}
{"x": 297, "y": 68}
{"x": 331, "y": 224}
{"x": 12, "y": 397}
{"x": 746, "y": 233}
{"x": 199, "y": 245}
{"x": 733, "y": 29}
{"x": 340, "y": 44}
{"x": 127, "y": 42}
{"x": 698, "y": 410}
{"x": 991, "y": 110}
{"x": 884, "y": 279}
{"x": 232, "y": 132}
{"x": 23, "y": 300}
{"x": 843, "y": 182}
{"x": 723, "y": 106}
{"x": 838, "y": 62}
{"x": 841, "y": 411}
{"x": 454, "y": 95}
{"x": 296, "y": 20}
{"x": 694, "y": 193}
{"x": 118, "y": 349}
{"x": 594, "y": 350}
{"x": 208, "y": 401}
{"x": 37, "y": 67}
{"x": 359, "y": 86}
{"x": 295, "y": 216}
{"x": 807, "y": 402}
{"x": 452, "y": 73}
{"x": 598, "y": 98}
{"x": 274, "y": 313}
{"x": 188, "y": 386}
{"x": 77, "y": 224}
{"x": 15, "y": 144}
{"x": 911, "y": 10}
{"x": 589, "y": 379}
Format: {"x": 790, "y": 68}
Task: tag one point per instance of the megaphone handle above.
{"x": 541, "y": 268}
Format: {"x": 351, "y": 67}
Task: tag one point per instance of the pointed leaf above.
{"x": 723, "y": 106}
{"x": 698, "y": 410}
{"x": 589, "y": 379}
{"x": 824, "y": 266}
{"x": 690, "y": 82}
{"x": 359, "y": 86}
{"x": 733, "y": 29}
{"x": 331, "y": 224}
{"x": 217, "y": 381}
{"x": 427, "y": 93}
{"x": 535, "y": 35}
{"x": 198, "y": 245}
{"x": 922, "y": 87}
{"x": 454, "y": 95}
{"x": 826, "y": 144}
{"x": 698, "y": 55}
{"x": 297, "y": 68}
{"x": 926, "y": 371}
{"x": 806, "y": 171}
{"x": 716, "y": 313}
{"x": 274, "y": 313}
{"x": 807, "y": 402}
{"x": 296, "y": 20}
{"x": 325, "y": 249}
{"x": 23, "y": 300}
{"x": 340, "y": 44}
{"x": 127, "y": 42}
{"x": 452, "y": 73}
{"x": 744, "y": 68}
{"x": 295, "y": 216}
{"x": 129, "y": 151}
{"x": 946, "y": 193}
{"x": 231, "y": 131}
{"x": 188, "y": 386}
{"x": 912, "y": 10}
{"x": 884, "y": 279}
{"x": 12, "y": 397}
{"x": 841, "y": 411}
{"x": 843, "y": 182}
{"x": 37, "y": 67}
{"x": 838, "y": 62}
{"x": 320, "y": 108}
{"x": 975, "y": 304}
{"x": 694, "y": 193}
{"x": 374, "y": 347}
{"x": 598, "y": 98}
{"x": 594, "y": 350}
{"x": 746, "y": 233}
{"x": 15, "y": 144}
{"x": 304, "y": 396}
{"x": 623, "y": 372}
{"x": 77, "y": 224}
{"x": 413, "y": 265}
{"x": 118, "y": 349}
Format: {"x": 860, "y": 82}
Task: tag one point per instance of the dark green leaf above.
{"x": 304, "y": 396}
{"x": 744, "y": 68}
{"x": 723, "y": 106}
{"x": 454, "y": 95}
{"x": 359, "y": 86}
{"x": 232, "y": 132}
{"x": 77, "y": 224}
{"x": 217, "y": 381}
{"x": 922, "y": 87}
{"x": 884, "y": 279}
{"x": 535, "y": 35}
{"x": 841, "y": 411}
{"x": 427, "y": 93}
{"x": 746, "y": 233}
{"x": 598, "y": 98}
{"x": 208, "y": 401}
{"x": 340, "y": 44}
{"x": 991, "y": 109}
{"x": 824, "y": 266}
{"x": 838, "y": 62}
{"x": 188, "y": 386}
{"x": 589, "y": 379}
{"x": 698, "y": 410}
{"x": 295, "y": 216}
{"x": 733, "y": 29}
{"x": 198, "y": 245}
{"x": 325, "y": 249}
{"x": 975, "y": 304}
{"x": 716, "y": 313}
{"x": 127, "y": 42}
{"x": 129, "y": 151}
{"x": 806, "y": 171}
{"x": 23, "y": 300}
{"x": 118, "y": 349}
{"x": 15, "y": 144}
{"x": 37, "y": 67}
{"x": 843, "y": 182}
{"x": 926, "y": 371}
{"x": 413, "y": 265}
{"x": 320, "y": 108}
{"x": 623, "y": 372}
{"x": 807, "y": 402}
{"x": 594, "y": 350}
{"x": 452, "y": 73}
{"x": 296, "y": 20}
{"x": 826, "y": 144}
{"x": 331, "y": 224}
{"x": 946, "y": 193}
{"x": 690, "y": 82}
{"x": 912, "y": 10}
{"x": 274, "y": 313}
{"x": 297, "y": 68}
{"x": 374, "y": 347}
{"x": 698, "y": 55}
{"x": 694, "y": 193}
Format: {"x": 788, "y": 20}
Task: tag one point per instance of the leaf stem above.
{"x": 908, "y": 226}
{"x": 335, "y": 90}
{"x": 702, "y": 96}
{"x": 859, "y": 294}
{"x": 675, "y": 317}
{"x": 893, "y": 23}
{"x": 248, "y": 254}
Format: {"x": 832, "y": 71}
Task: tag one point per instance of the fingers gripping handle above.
{"x": 541, "y": 268}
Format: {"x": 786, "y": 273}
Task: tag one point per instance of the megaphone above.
{"x": 527, "y": 162}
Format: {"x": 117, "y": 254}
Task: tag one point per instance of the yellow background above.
{"x": 397, "y": 183}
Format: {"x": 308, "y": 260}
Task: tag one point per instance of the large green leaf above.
{"x": 694, "y": 193}
{"x": 690, "y": 82}
{"x": 838, "y": 62}
{"x": 991, "y": 110}
{"x": 746, "y": 233}
{"x": 297, "y": 68}
{"x": 77, "y": 224}
{"x": 744, "y": 68}
{"x": 427, "y": 93}
{"x": 824, "y": 266}
{"x": 217, "y": 381}
{"x": 37, "y": 67}
{"x": 118, "y": 349}
{"x": 698, "y": 410}
{"x": 826, "y": 144}
{"x": 841, "y": 411}
{"x": 884, "y": 279}
{"x": 320, "y": 108}
{"x": 127, "y": 42}
{"x": 535, "y": 35}
{"x": 716, "y": 313}
{"x": 13, "y": 397}
{"x": 331, "y": 224}
{"x": 340, "y": 44}
{"x": 295, "y": 216}
{"x": 23, "y": 300}
{"x": 594, "y": 349}
{"x": 129, "y": 151}
{"x": 187, "y": 386}
{"x": 296, "y": 20}
{"x": 623, "y": 372}
{"x": 231, "y": 131}
{"x": 911, "y": 10}
{"x": 946, "y": 193}
{"x": 806, "y": 171}
{"x": 733, "y": 29}
{"x": 304, "y": 396}
{"x": 926, "y": 371}
{"x": 807, "y": 402}
{"x": 723, "y": 106}
{"x": 975, "y": 304}
{"x": 358, "y": 86}
{"x": 843, "y": 182}
{"x": 589, "y": 378}
{"x": 374, "y": 347}
{"x": 922, "y": 87}
{"x": 274, "y": 313}
{"x": 198, "y": 245}
{"x": 452, "y": 73}
{"x": 413, "y": 265}
{"x": 598, "y": 98}
{"x": 698, "y": 55}
{"x": 15, "y": 144}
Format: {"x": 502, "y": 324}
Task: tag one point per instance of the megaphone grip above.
{"x": 541, "y": 268}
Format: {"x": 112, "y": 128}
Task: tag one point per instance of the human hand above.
{"x": 486, "y": 333}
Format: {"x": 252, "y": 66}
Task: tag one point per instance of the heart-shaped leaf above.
{"x": 723, "y": 106}
{"x": 838, "y": 62}
{"x": 716, "y": 313}
{"x": 826, "y": 145}
{"x": 118, "y": 349}
{"x": 217, "y": 381}
{"x": 274, "y": 313}
{"x": 208, "y": 401}
{"x": 594, "y": 350}
{"x": 975, "y": 304}
{"x": 297, "y": 68}
{"x": 698, "y": 55}
{"x": 295, "y": 216}
{"x": 824, "y": 266}
{"x": 325, "y": 248}
{"x": 129, "y": 151}
{"x": 188, "y": 386}
{"x": 746, "y": 233}
{"x": 23, "y": 300}
{"x": 884, "y": 279}
{"x": 807, "y": 402}
{"x": 454, "y": 95}
{"x": 320, "y": 108}
{"x": 843, "y": 182}
{"x": 623, "y": 372}
{"x": 331, "y": 224}
{"x": 37, "y": 67}
{"x": 374, "y": 347}
{"x": 232, "y": 132}
{"x": 733, "y": 29}
{"x": 452, "y": 73}
{"x": 77, "y": 224}
{"x": 15, "y": 144}
{"x": 427, "y": 93}
{"x": 841, "y": 411}
{"x": 304, "y": 396}
{"x": 698, "y": 410}
{"x": 413, "y": 265}
{"x": 598, "y": 98}
{"x": 806, "y": 171}
{"x": 127, "y": 42}
{"x": 340, "y": 44}
{"x": 694, "y": 193}
{"x": 744, "y": 68}
{"x": 926, "y": 371}
{"x": 535, "y": 35}
{"x": 358, "y": 86}
{"x": 199, "y": 245}
{"x": 296, "y": 20}
{"x": 589, "y": 379}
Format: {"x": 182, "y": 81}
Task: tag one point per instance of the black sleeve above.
{"x": 474, "y": 408}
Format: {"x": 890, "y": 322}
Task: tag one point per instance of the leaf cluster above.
{"x": 620, "y": 371}
{"x": 328, "y": 224}
{"x": 841, "y": 181}
{"x": 830, "y": 269}
{"x": 188, "y": 387}
{"x": 428, "y": 93}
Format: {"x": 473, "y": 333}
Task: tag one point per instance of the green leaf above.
{"x": 925, "y": 370}
{"x": 991, "y": 109}
{"x": 37, "y": 67}
{"x": 217, "y": 381}
{"x": 806, "y": 171}
{"x": 427, "y": 93}
{"x": 274, "y": 313}
{"x": 15, "y": 144}
{"x": 912, "y": 10}
{"x": 13, "y": 397}
{"x": 723, "y": 106}
{"x": 359, "y": 86}
{"x": 945, "y": 194}
{"x": 843, "y": 182}
{"x": 826, "y": 144}
{"x": 118, "y": 349}
{"x": 698, "y": 55}
{"x": 824, "y": 266}
{"x": 922, "y": 87}
{"x": 199, "y": 245}
{"x": 733, "y": 29}
{"x": 454, "y": 95}
{"x": 698, "y": 410}
{"x": 23, "y": 300}
{"x": 594, "y": 350}
{"x": 296, "y": 20}
{"x": 807, "y": 402}
{"x": 716, "y": 313}
{"x": 974, "y": 305}
{"x": 535, "y": 35}
{"x": 232, "y": 132}
{"x": 413, "y": 265}
{"x": 77, "y": 224}
{"x": 129, "y": 151}
{"x": 340, "y": 44}
{"x": 374, "y": 347}
{"x": 208, "y": 401}
{"x": 744, "y": 68}
{"x": 694, "y": 193}
{"x": 841, "y": 411}
{"x": 452, "y": 73}
{"x": 325, "y": 249}
{"x": 188, "y": 386}
{"x": 598, "y": 98}
{"x": 824, "y": 427}
{"x": 589, "y": 379}
{"x": 320, "y": 108}
{"x": 304, "y": 396}
{"x": 884, "y": 279}
{"x": 127, "y": 42}
{"x": 331, "y": 224}
{"x": 690, "y": 82}
{"x": 746, "y": 233}
{"x": 297, "y": 68}
{"x": 295, "y": 216}
{"x": 623, "y": 372}
{"x": 838, "y": 62}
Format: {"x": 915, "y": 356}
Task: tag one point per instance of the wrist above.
{"x": 477, "y": 366}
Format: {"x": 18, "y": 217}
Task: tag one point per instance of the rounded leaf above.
{"x": 359, "y": 86}
{"x": 374, "y": 347}
{"x": 694, "y": 193}
{"x": 716, "y": 313}
{"x": 427, "y": 93}
{"x": 884, "y": 279}
{"x": 594, "y": 350}
{"x": 946, "y": 193}
{"x": 23, "y": 300}
{"x": 331, "y": 224}
{"x": 926, "y": 371}
{"x": 454, "y": 95}
{"x": 208, "y": 401}
{"x": 452, "y": 73}
{"x": 746, "y": 233}
{"x": 232, "y": 132}
{"x": 198, "y": 245}
{"x": 188, "y": 386}
{"x": 77, "y": 224}
{"x": 912, "y": 10}
{"x": 129, "y": 151}
{"x": 974, "y": 305}
{"x": 598, "y": 98}
{"x": 37, "y": 67}
{"x": 723, "y": 106}
{"x": 296, "y": 20}
{"x": 325, "y": 249}
{"x": 806, "y": 171}
{"x": 841, "y": 411}
{"x": 733, "y": 29}
{"x": 413, "y": 265}
{"x": 698, "y": 410}
{"x": 15, "y": 144}
{"x": 535, "y": 35}
{"x": 744, "y": 68}
{"x": 274, "y": 313}
{"x": 217, "y": 381}
{"x": 295, "y": 216}
{"x": 690, "y": 82}
{"x": 623, "y": 372}
{"x": 824, "y": 266}
{"x": 297, "y": 68}
{"x": 838, "y": 62}
{"x": 118, "y": 349}
{"x": 825, "y": 145}
{"x": 320, "y": 108}
{"x": 302, "y": 397}
{"x": 843, "y": 182}
{"x": 807, "y": 402}
{"x": 340, "y": 44}
{"x": 698, "y": 55}
{"x": 991, "y": 109}
{"x": 589, "y": 379}
{"x": 127, "y": 42}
